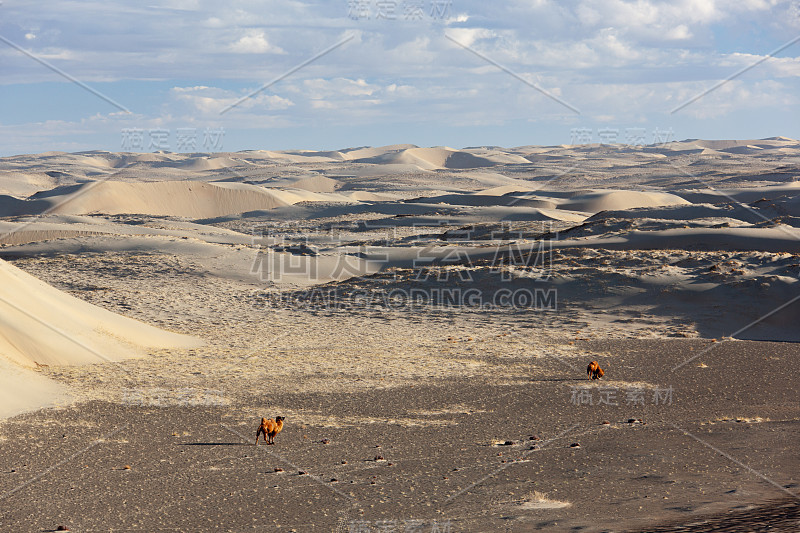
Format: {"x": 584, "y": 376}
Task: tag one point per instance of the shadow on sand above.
{"x": 214, "y": 444}
{"x": 558, "y": 379}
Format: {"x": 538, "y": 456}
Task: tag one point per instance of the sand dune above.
{"x": 175, "y": 198}
{"x": 23, "y": 184}
{"x": 482, "y": 214}
{"x": 755, "y": 213}
{"x": 732, "y": 144}
{"x": 308, "y": 156}
{"x": 682, "y": 212}
{"x": 68, "y": 226}
{"x": 315, "y": 184}
{"x": 497, "y": 183}
{"x": 596, "y": 198}
{"x": 368, "y": 152}
{"x": 603, "y": 200}
{"x": 496, "y": 155}
{"x": 22, "y": 389}
{"x": 309, "y": 182}
{"x": 169, "y": 198}
{"x": 744, "y": 194}
{"x": 485, "y": 200}
{"x": 591, "y": 202}
{"x": 367, "y": 291}
{"x": 784, "y": 239}
{"x": 40, "y": 325}
{"x": 518, "y": 187}
{"x": 432, "y": 158}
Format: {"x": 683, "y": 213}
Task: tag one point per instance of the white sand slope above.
{"x": 22, "y": 389}
{"x": 597, "y": 201}
{"x": 40, "y": 324}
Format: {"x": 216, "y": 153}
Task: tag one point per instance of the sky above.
{"x": 209, "y": 76}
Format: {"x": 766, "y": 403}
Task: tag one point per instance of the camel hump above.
{"x": 263, "y": 420}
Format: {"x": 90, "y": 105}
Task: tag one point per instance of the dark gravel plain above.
{"x": 722, "y": 455}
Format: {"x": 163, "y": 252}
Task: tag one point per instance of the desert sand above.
{"x": 423, "y": 318}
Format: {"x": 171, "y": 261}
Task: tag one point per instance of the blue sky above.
{"x": 410, "y": 71}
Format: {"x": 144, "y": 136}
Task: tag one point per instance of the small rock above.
{"x": 344, "y": 462}
{"x": 302, "y": 473}
{"x": 325, "y": 441}
{"x": 334, "y": 480}
{"x": 575, "y": 445}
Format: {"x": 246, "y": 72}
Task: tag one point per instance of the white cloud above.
{"x": 254, "y": 42}
{"x": 212, "y": 101}
{"x": 626, "y": 59}
{"x": 679, "y": 33}
{"x": 764, "y": 66}
{"x": 468, "y": 36}
{"x": 319, "y": 88}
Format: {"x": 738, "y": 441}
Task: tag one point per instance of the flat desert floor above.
{"x": 423, "y": 318}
